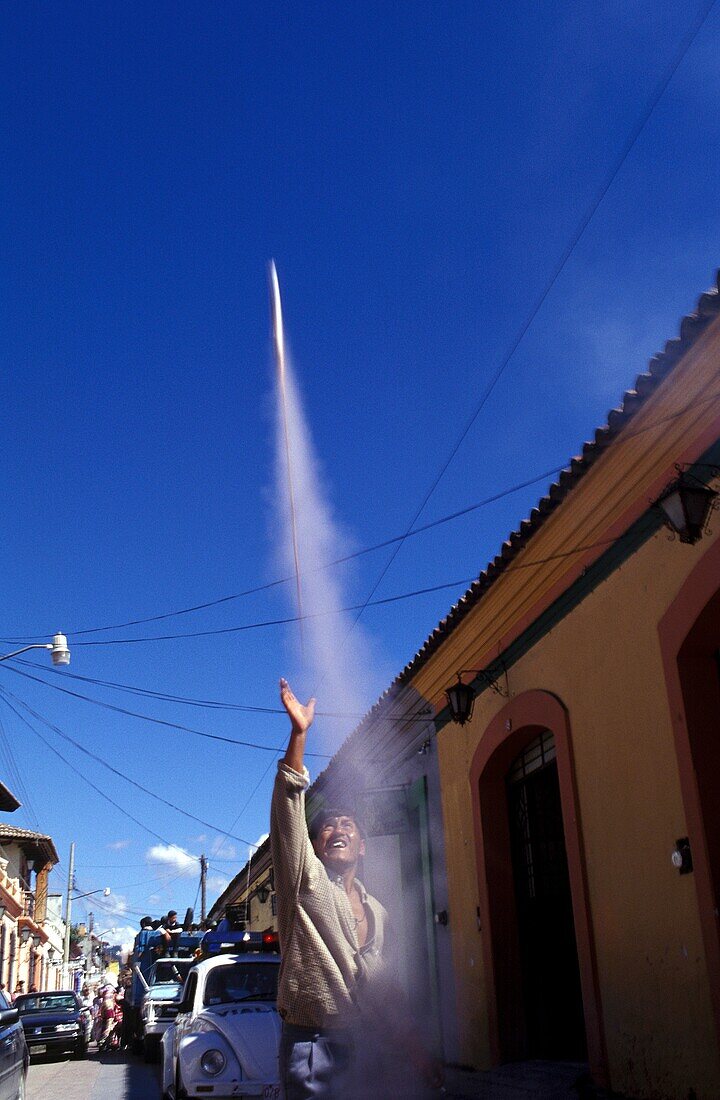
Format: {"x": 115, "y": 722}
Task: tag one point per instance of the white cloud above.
{"x": 174, "y": 858}
{"x": 217, "y": 882}
{"x": 115, "y": 905}
{"x": 118, "y": 845}
{"x": 222, "y": 849}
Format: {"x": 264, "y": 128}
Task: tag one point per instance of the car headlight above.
{"x": 66, "y": 1027}
{"x": 212, "y": 1062}
{"x": 149, "y": 1013}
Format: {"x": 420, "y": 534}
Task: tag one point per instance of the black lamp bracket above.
{"x": 687, "y": 470}
{"x": 489, "y": 679}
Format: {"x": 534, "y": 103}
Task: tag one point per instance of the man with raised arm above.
{"x": 333, "y": 992}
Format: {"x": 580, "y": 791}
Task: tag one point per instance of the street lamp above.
{"x": 105, "y": 891}
{"x": 58, "y": 650}
{"x": 685, "y": 506}
{"x": 101, "y": 943}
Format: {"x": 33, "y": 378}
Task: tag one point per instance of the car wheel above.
{"x": 80, "y": 1050}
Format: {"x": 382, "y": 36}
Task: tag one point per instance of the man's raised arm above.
{"x": 301, "y": 718}
{"x": 292, "y": 853}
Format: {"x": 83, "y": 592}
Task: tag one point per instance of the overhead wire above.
{"x": 147, "y": 717}
{"x": 98, "y": 790}
{"x": 16, "y": 776}
{"x": 149, "y": 693}
{"x": 550, "y": 282}
{"x": 115, "y": 771}
{"x": 494, "y": 498}
{"x": 627, "y": 433}
{"x": 463, "y": 581}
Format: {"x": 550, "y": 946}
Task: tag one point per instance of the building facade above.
{"x": 581, "y": 799}
{"x": 28, "y": 939}
{"x": 253, "y": 889}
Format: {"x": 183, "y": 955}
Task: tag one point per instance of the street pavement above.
{"x": 99, "y": 1077}
{"x": 120, "y": 1076}
{"x": 526, "y": 1081}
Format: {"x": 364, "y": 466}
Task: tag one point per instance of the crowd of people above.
{"x": 105, "y": 1001}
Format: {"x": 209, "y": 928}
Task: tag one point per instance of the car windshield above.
{"x": 173, "y": 971}
{"x": 168, "y": 991}
{"x": 46, "y": 1002}
{"x": 241, "y": 981}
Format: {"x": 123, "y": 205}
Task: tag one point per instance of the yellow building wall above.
{"x": 603, "y": 661}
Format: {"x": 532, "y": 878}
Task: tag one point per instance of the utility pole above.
{"x": 203, "y": 888}
{"x": 68, "y": 911}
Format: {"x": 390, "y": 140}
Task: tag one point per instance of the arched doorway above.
{"x": 690, "y": 642}
{"x": 538, "y": 950}
{"x": 554, "y": 1025}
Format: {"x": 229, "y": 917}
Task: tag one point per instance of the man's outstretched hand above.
{"x": 300, "y": 716}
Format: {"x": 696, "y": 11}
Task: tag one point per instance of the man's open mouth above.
{"x": 339, "y": 842}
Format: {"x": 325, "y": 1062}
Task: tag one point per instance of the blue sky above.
{"x": 416, "y": 170}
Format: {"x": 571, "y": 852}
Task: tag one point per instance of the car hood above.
{"x": 252, "y": 1031}
{"x": 29, "y": 1020}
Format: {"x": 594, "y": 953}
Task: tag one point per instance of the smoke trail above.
{"x": 336, "y": 661}
{"x": 338, "y": 664}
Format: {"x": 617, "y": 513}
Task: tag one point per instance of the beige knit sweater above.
{"x": 322, "y": 968}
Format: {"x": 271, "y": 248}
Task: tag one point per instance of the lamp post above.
{"x": 68, "y": 910}
{"x": 101, "y": 942}
{"x": 58, "y": 650}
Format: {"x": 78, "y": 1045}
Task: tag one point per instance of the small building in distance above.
{"x": 253, "y": 889}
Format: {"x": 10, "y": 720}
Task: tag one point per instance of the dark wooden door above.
{"x": 551, "y": 992}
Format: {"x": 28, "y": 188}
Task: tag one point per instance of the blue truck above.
{"x": 150, "y": 960}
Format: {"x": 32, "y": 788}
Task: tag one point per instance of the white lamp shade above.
{"x": 60, "y": 653}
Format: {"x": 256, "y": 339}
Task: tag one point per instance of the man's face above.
{"x": 339, "y": 844}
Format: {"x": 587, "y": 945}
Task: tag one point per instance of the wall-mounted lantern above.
{"x": 685, "y": 506}
{"x": 263, "y": 892}
{"x": 461, "y": 698}
{"x": 25, "y": 934}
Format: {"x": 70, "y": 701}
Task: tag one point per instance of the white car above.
{"x": 224, "y": 1042}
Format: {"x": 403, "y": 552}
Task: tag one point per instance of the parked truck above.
{"x": 153, "y": 966}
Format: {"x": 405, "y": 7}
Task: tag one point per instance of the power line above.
{"x": 500, "y": 495}
{"x": 463, "y": 581}
{"x": 149, "y": 718}
{"x": 627, "y": 433}
{"x": 16, "y": 776}
{"x": 202, "y": 703}
{"x": 567, "y": 252}
{"x": 121, "y": 775}
{"x": 208, "y": 704}
{"x": 4, "y": 696}
{"x": 275, "y": 622}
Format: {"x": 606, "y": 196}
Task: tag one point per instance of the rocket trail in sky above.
{"x": 279, "y": 345}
